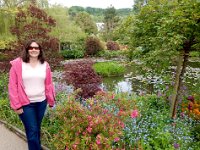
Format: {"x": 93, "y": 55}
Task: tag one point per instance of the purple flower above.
{"x": 190, "y": 98}
{"x": 176, "y": 145}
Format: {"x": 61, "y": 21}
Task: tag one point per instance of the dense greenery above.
{"x": 107, "y": 69}
{"x": 97, "y": 13}
{"x": 163, "y": 33}
{"x": 158, "y": 35}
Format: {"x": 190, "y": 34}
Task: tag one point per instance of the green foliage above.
{"x": 93, "y": 45}
{"x": 111, "y": 54}
{"x": 107, "y": 69}
{"x": 85, "y": 22}
{"x": 66, "y": 30}
{"x": 154, "y": 129}
{"x": 161, "y": 28}
{"x": 3, "y": 86}
{"x": 195, "y": 54}
{"x": 8, "y": 115}
{"x": 97, "y": 13}
{"x": 111, "y": 20}
{"x": 67, "y": 54}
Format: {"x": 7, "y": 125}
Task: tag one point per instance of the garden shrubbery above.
{"x": 92, "y": 46}
{"x": 72, "y": 54}
{"x": 112, "y": 45}
{"x": 109, "y": 121}
{"x": 82, "y": 76}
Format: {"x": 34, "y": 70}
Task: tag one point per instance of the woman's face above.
{"x": 34, "y": 50}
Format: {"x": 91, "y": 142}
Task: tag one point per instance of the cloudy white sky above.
{"x": 95, "y": 3}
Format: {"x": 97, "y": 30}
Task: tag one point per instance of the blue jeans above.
{"x": 32, "y": 118}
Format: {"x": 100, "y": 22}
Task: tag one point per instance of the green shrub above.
{"x": 67, "y": 54}
{"x": 93, "y": 45}
{"x": 107, "y": 69}
{"x": 111, "y": 54}
{"x": 195, "y": 54}
{"x": 8, "y": 115}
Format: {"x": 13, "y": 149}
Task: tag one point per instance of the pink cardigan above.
{"x": 17, "y": 95}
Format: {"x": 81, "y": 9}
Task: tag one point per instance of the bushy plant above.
{"x": 95, "y": 124}
{"x": 112, "y": 45}
{"x": 67, "y": 54}
{"x": 8, "y": 115}
{"x": 81, "y": 75}
{"x": 107, "y": 69}
{"x": 154, "y": 129}
{"x": 93, "y": 45}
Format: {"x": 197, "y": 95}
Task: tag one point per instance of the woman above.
{"x": 30, "y": 89}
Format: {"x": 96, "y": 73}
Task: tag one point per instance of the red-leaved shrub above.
{"x": 81, "y": 75}
{"x": 112, "y": 45}
{"x": 93, "y": 46}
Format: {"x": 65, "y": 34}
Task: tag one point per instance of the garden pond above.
{"x": 134, "y": 81}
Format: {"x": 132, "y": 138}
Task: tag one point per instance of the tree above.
{"x": 66, "y": 30}
{"x": 34, "y": 23}
{"x": 162, "y": 32}
{"x": 74, "y": 10}
{"x": 110, "y": 19}
{"x": 138, "y": 4}
{"x": 85, "y": 22}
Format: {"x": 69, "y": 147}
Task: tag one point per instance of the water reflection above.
{"x": 134, "y": 82}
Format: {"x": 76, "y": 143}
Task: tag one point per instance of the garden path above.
{"x": 10, "y": 141}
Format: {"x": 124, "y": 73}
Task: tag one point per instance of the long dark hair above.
{"x": 25, "y": 54}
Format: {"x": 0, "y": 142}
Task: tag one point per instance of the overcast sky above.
{"x": 95, "y": 3}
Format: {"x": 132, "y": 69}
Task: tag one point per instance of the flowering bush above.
{"x": 191, "y": 108}
{"x": 96, "y": 123}
{"x": 153, "y": 128}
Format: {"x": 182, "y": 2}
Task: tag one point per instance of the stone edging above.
{"x": 18, "y": 132}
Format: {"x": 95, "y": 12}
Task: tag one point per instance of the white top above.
{"x": 34, "y": 81}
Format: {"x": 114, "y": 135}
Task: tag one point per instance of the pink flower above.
{"x": 89, "y": 129}
{"x": 74, "y": 146}
{"x": 105, "y": 111}
{"x": 89, "y": 118}
{"x": 121, "y": 124}
{"x": 98, "y": 142}
{"x": 113, "y": 96}
{"x": 134, "y": 114}
{"x": 116, "y": 139}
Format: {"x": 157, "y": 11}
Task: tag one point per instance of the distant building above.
{"x": 100, "y": 26}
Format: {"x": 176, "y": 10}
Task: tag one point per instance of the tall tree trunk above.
{"x": 180, "y": 70}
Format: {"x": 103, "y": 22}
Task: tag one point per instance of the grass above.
{"x": 108, "y": 69}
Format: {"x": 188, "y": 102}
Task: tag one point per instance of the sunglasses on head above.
{"x": 33, "y": 47}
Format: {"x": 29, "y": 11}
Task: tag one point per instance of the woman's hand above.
{"x": 19, "y": 111}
